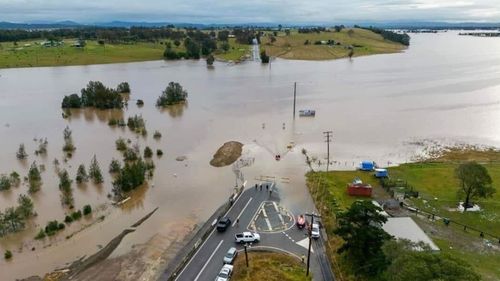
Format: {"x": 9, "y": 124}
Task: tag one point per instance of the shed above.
{"x": 406, "y": 228}
{"x": 381, "y": 173}
{"x": 367, "y": 166}
{"x": 359, "y": 189}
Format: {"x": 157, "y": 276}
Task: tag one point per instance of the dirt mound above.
{"x": 227, "y": 154}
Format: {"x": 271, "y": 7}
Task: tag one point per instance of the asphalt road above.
{"x": 276, "y": 231}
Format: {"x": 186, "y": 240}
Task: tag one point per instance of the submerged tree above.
{"x": 95, "y": 171}
{"x": 123, "y": 88}
{"x": 34, "y": 178}
{"x": 65, "y": 187}
{"x": 25, "y": 207}
{"x": 264, "y": 58}
{"x": 174, "y": 93}
{"x": 131, "y": 176}
{"x": 81, "y": 174}
{"x": 21, "y": 152}
{"x": 5, "y": 183}
{"x": 68, "y": 140}
{"x": 114, "y": 166}
{"x": 475, "y": 182}
{"x": 42, "y": 147}
{"x": 210, "y": 60}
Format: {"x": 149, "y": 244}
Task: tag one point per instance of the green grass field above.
{"x": 269, "y": 267}
{"x": 236, "y": 52}
{"x": 438, "y": 187}
{"x": 364, "y": 41}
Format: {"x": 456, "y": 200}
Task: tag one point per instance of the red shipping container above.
{"x": 359, "y": 190}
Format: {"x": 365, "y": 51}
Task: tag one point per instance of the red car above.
{"x": 301, "y": 221}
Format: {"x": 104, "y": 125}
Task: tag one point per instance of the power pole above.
{"x": 328, "y": 135}
{"x": 246, "y": 255}
{"x": 294, "y": 97}
{"x": 310, "y": 241}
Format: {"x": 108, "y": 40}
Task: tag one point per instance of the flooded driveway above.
{"x": 378, "y": 108}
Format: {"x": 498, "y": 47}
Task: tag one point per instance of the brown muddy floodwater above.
{"x": 445, "y": 87}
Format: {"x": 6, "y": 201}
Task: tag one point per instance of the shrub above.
{"x": 8, "y": 255}
{"x": 157, "y": 135}
{"x": 68, "y": 219}
{"x": 40, "y": 234}
{"x": 159, "y": 152}
{"x": 95, "y": 171}
{"x": 121, "y": 145}
{"x": 123, "y": 87}
{"x": 140, "y": 102}
{"x": 87, "y": 210}
{"x": 81, "y": 174}
{"x": 130, "y": 155}
{"x": 114, "y": 166}
{"x": 113, "y": 122}
{"x": 174, "y": 93}
{"x": 52, "y": 227}
{"x": 60, "y": 226}
{"x": 148, "y": 153}
{"x": 76, "y": 215}
{"x": 5, "y": 182}
{"x": 21, "y": 152}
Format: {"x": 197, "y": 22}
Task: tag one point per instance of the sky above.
{"x": 253, "y": 11}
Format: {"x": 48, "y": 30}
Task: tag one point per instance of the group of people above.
{"x": 259, "y": 186}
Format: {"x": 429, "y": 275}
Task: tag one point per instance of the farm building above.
{"x": 406, "y": 228}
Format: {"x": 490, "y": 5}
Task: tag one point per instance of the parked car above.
{"x": 230, "y": 255}
{"x": 225, "y": 273}
{"x": 246, "y": 237}
{"x": 223, "y": 224}
{"x": 315, "y": 231}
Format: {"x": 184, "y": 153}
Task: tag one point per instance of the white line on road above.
{"x": 208, "y": 237}
{"x": 279, "y": 213}
{"x": 239, "y": 215}
{"x": 211, "y": 256}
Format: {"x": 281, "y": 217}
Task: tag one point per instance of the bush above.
{"x": 5, "y": 182}
{"x": 140, "y": 102}
{"x": 76, "y": 215}
{"x": 60, "y": 226}
{"x": 113, "y": 122}
{"x": 8, "y": 255}
{"x": 87, "y": 210}
{"x": 157, "y": 135}
{"x": 174, "y": 93}
{"x": 121, "y": 145}
{"x": 123, "y": 87}
{"x": 52, "y": 227}
{"x": 40, "y": 235}
{"x": 148, "y": 153}
{"x": 68, "y": 219}
{"x": 159, "y": 152}
{"x": 71, "y": 101}
{"x": 114, "y": 166}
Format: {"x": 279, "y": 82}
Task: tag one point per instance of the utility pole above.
{"x": 310, "y": 241}
{"x": 246, "y": 255}
{"x": 294, "y": 97}
{"x": 328, "y": 135}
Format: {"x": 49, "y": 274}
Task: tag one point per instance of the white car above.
{"x": 225, "y": 273}
{"x": 247, "y": 237}
{"x": 230, "y": 255}
{"x": 315, "y": 231}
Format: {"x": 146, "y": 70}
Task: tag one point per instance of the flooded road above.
{"x": 445, "y": 87}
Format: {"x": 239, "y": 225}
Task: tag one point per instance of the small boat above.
{"x": 307, "y": 113}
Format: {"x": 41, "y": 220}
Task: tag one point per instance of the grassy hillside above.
{"x": 292, "y": 46}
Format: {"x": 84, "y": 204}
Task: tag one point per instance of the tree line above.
{"x": 96, "y": 94}
{"x": 402, "y": 38}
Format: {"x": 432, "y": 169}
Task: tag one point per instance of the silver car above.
{"x": 315, "y": 231}
{"x": 225, "y": 273}
{"x": 230, "y": 255}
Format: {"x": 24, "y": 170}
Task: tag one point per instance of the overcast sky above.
{"x": 249, "y": 11}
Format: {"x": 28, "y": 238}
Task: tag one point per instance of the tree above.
{"x": 210, "y": 59}
{"x": 25, "y": 207}
{"x": 81, "y": 174}
{"x": 148, "y": 152}
{"x": 192, "y": 48}
{"x": 123, "y": 87}
{"x": 360, "y": 228}
{"x": 475, "y": 182}
{"x": 264, "y": 58}
{"x": 131, "y": 176}
{"x": 170, "y": 54}
{"x": 34, "y": 178}
{"x": 5, "y": 182}
{"x": 7, "y": 255}
{"x": 223, "y": 35}
{"x": 114, "y": 166}
{"x": 87, "y": 209}
{"x": 408, "y": 264}
{"x": 177, "y": 43}
{"x": 95, "y": 171}
{"x": 68, "y": 140}
{"x": 71, "y": 101}
{"x": 174, "y": 93}
{"x": 225, "y": 46}
{"x": 65, "y": 187}
{"x": 21, "y": 152}
{"x": 13, "y": 219}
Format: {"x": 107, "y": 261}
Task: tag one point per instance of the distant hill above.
{"x": 128, "y": 24}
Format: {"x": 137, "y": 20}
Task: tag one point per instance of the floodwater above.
{"x": 444, "y": 87}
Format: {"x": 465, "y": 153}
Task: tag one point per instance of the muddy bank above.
{"x": 227, "y": 154}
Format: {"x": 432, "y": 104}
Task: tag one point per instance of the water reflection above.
{"x": 90, "y": 114}
{"x": 175, "y": 110}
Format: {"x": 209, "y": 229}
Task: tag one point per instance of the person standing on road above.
{"x": 237, "y": 222}
{"x": 261, "y": 187}
{"x": 255, "y": 187}
{"x": 267, "y": 187}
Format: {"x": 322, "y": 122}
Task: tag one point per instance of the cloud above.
{"x": 239, "y": 11}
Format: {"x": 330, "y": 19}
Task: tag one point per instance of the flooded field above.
{"x": 444, "y": 87}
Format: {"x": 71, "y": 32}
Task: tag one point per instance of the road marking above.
{"x": 208, "y": 237}
{"x": 239, "y": 215}
{"x": 279, "y": 213}
{"x": 211, "y": 256}
{"x": 269, "y": 224}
